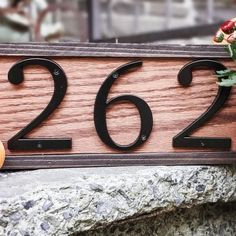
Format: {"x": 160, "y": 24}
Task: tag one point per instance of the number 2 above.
{"x": 16, "y": 76}
{"x": 183, "y": 139}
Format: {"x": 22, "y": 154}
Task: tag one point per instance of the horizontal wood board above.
{"x": 109, "y": 160}
{"x": 75, "y": 49}
{"x": 86, "y": 67}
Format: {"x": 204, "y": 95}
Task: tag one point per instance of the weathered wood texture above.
{"x": 173, "y": 106}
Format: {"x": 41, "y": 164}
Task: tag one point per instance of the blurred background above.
{"x": 133, "y": 21}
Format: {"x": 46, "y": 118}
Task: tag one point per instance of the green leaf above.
{"x": 220, "y": 72}
{"x": 232, "y": 76}
{"x": 227, "y": 78}
{"x": 227, "y": 82}
{"x": 224, "y": 73}
{"x": 232, "y": 50}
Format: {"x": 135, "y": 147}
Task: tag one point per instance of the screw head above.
{"x": 56, "y": 72}
{"x": 115, "y": 75}
{"x": 39, "y": 145}
{"x": 144, "y": 137}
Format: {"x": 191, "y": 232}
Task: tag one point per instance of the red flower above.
{"x": 228, "y": 27}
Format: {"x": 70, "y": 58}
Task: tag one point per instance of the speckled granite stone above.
{"x": 209, "y": 219}
{"x": 68, "y": 201}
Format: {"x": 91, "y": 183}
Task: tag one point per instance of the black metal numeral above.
{"x": 183, "y": 139}
{"x": 16, "y": 76}
{"x": 101, "y": 105}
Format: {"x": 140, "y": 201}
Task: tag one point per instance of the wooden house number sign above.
{"x": 80, "y": 105}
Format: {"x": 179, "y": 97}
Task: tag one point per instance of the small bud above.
{"x": 219, "y": 37}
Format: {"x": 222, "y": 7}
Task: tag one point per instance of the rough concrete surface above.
{"x": 69, "y": 201}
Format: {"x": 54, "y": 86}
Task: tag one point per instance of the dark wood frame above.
{"x": 75, "y": 49}
{"x": 115, "y": 50}
{"x": 105, "y": 160}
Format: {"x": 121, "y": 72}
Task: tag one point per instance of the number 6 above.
{"x": 101, "y": 105}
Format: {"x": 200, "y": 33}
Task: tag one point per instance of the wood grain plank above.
{"x": 173, "y": 106}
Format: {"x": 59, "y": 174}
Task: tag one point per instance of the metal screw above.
{"x": 56, "y": 72}
{"x": 202, "y": 144}
{"x": 144, "y": 138}
{"x": 115, "y": 75}
{"x": 39, "y": 145}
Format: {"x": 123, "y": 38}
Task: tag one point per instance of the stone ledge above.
{"x": 68, "y": 201}
{"x": 216, "y": 219}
